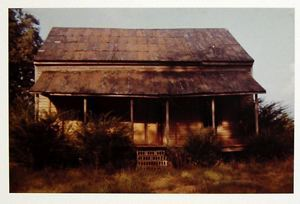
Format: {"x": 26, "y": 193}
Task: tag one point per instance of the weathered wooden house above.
{"x": 168, "y": 83}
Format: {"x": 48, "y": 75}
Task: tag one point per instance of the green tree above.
{"x": 24, "y": 41}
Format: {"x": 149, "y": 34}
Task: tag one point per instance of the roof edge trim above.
{"x": 218, "y": 63}
{"x": 146, "y": 95}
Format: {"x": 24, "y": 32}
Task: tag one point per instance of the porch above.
{"x": 167, "y": 121}
{"x": 163, "y": 105}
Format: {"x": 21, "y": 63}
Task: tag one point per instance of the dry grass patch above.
{"x": 233, "y": 177}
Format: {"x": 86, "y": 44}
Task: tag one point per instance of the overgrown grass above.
{"x": 232, "y": 177}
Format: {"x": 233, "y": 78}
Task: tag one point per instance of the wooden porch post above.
{"x": 49, "y": 111}
{"x": 167, "y": 128}
{"x": 213, "y": 117}
{"x": 36, "y": 111}
{"x": 256, "y": 114}
{"x": 131, "y": 117}
{"x": 84, "y": 110}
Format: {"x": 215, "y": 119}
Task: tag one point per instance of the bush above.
{"x": 204, "y": 148}
{"x": 178, "y": 157}
{"x": 103, "y": 141}
{"x": 107, "y": 143}
{"x": 40, "y": 143}
{"x": 276, "y": 138}
{"x": 33, "y": 142}
{"x": 30, "y": 143}
{"x": 266, "y": 146}
{"x": 274, "y": 120}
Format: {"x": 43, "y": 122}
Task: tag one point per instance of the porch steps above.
{"x": 232, "y": 145}
{"x": 234, "y": 148}
{"x": 151, "y": 159}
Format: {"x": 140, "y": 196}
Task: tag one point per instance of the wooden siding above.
{"x": 45, "y": 105}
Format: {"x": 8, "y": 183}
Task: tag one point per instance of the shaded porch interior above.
{"x": 158, "y": 122}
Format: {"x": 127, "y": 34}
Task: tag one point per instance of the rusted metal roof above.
{"x": 146, "y": 83}
{"x": 159, "y": 45}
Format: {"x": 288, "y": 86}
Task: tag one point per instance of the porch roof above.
{"x": 146, "y": 83}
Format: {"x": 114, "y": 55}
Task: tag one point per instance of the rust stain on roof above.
{"x": 162, "y": 45}
{"x": 150, "y": 83}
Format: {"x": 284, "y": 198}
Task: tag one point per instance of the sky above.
{"x": 266, "y": 34}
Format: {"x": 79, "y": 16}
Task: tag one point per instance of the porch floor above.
{"x": 232, "y": 145}
{"x": 228, "y": 145}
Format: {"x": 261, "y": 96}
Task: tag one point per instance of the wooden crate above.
{"x": 151, "y": 159}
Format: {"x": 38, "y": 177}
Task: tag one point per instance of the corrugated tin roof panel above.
{"x": 149, "y": 83}
{"x": 103, "y": 44}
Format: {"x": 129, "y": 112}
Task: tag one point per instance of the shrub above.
{"x": 104, "y": 141}
{"x": 266, "y": 146}
{"x": 178, "y": 157}
{"x": 273, "y": 119}
{"x": 276, "y": 138}
{"x": 203, "y": 148}
{"x": 107, "y": 142}
{"x": 38, "y": 143}
{"x": 31, "y": 142}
